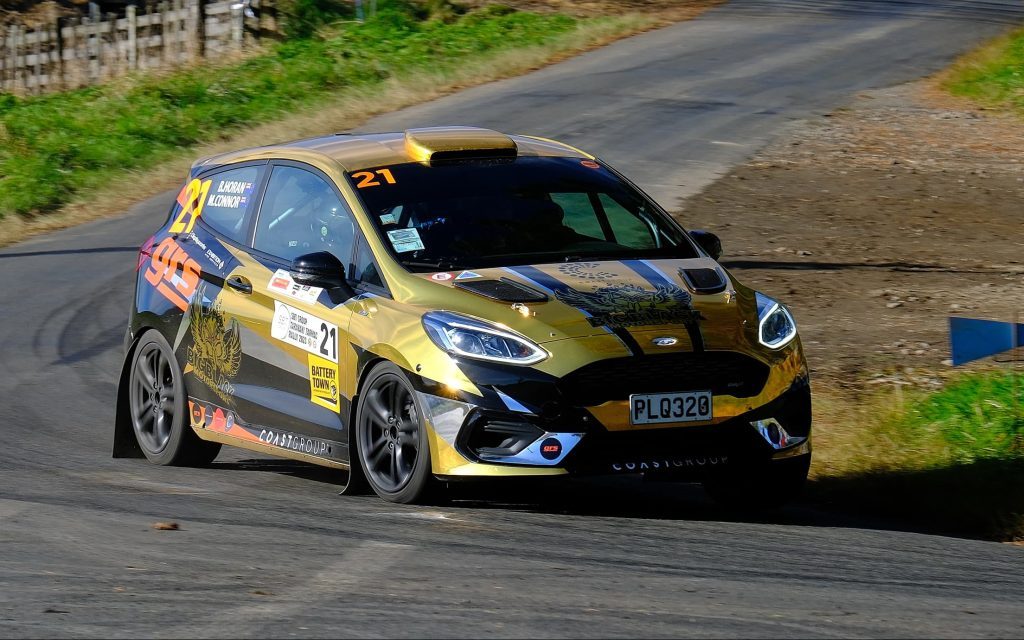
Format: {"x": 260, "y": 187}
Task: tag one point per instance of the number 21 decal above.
{"x": 191, "y": 200}
{"x": 369, "y": 178}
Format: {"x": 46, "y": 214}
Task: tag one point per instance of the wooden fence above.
{"x": 76, "y": 52}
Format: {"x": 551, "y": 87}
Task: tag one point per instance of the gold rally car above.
{"x": 454, "y": 303}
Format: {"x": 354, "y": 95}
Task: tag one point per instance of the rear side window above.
{"x": 228, "y": 205}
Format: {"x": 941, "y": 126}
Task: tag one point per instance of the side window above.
{"x": 228, "y": 204}
{"x": 579, "y": 214}
{"x": 301, "y": 213}
{"x": 630, "y": 230}
{"x": 365, "y": 271}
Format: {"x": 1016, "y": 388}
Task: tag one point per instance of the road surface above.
{"x": 267, "y": 548}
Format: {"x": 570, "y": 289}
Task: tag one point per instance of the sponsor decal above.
{"x": 590, "y": 164}
{"x": 388, "y": 218}
{"x": 215, "y": 259}
{"x": 281, "y": 282}
{"x": 216, "y": 352}
{"x": 174, "y": 274}
{"x": 323, "y": 383}
{"x": 441, "y": 277}
{"x": 229, "y": 423}
{"x": 550, "y": 449}
{"x": 465, "y": 275}
{"x": 305, "y": 331}
{"x": 668, "y": 464}
{"x": 227, "y": 202}
{"x": 198, "y": 414}
{"x": 405, "y": 240}
{"x": 630, "y": 305}
{"x": 292, "y": 442}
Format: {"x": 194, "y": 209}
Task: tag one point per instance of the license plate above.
{"x": 655, "y": 408}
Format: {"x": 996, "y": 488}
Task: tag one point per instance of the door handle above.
{"x": 239, "y": 284}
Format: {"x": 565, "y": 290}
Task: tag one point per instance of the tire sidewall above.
{"x": 172, "y": 450}
{"x": 416, "y": 487}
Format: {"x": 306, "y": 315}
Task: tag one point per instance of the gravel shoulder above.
{"x": 876, "y": 223}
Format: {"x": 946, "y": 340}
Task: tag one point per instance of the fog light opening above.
{"x": 774, "y": 434}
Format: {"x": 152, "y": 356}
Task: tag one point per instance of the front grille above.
{"x": 721, "y": 372}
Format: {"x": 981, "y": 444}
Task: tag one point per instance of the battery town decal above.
{"x": 216, "y": 352}
{"x": 323, "y": 383}
{"x": 174, "y": 274}
{"x": 305, "y": 331}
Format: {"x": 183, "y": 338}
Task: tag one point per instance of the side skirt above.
{"x": 218, "y": 424}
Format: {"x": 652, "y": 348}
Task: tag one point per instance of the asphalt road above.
{"x": 267, "y": 548}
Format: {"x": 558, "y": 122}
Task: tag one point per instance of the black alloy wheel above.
{"x": 391, "y": 436}
{"x": 156, "y": 402}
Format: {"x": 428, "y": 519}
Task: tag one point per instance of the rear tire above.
{"x": 157, "y": 407}
{"x": 391, "y": 437}
{"x": 762, "y": 487}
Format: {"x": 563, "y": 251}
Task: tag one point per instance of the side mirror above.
{"x": 321, "y": 269}
{"x": 709, "y": 242}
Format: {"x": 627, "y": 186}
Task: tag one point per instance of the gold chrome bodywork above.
{"x": 390, "y": 327}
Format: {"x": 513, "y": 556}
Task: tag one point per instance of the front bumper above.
{"x": 498, "y": 435}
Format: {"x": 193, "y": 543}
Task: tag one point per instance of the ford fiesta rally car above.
{"x": 454, "y": 303}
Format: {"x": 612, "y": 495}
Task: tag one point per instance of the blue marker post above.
{"x": 972, "y": 339}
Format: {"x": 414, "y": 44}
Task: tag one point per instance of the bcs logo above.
{"x": 174, "y": 274}
{"x": 550, "y": 449}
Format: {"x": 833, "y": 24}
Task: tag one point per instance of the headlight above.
{"x": 776, "y": 328}
{"x": 465, "y": 336}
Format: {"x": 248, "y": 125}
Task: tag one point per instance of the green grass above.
{"x": 994, "y": 74}
{"x": 951, "y": 460}
{"x": 55, "y": 147}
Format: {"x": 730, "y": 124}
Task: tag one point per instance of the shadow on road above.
{"x": 983, "y": 499}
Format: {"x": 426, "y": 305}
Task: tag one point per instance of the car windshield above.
{"x": 492, "y": 213}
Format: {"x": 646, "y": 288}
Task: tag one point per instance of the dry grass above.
{"x": 346, "y": 111}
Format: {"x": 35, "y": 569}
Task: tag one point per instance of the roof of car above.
{"x": 354, "y": 151}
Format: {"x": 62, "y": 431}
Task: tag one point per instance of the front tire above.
{"x": 157, "y": 406}
{"x": 761, "y": 487}
{"x": 391, "y": 437}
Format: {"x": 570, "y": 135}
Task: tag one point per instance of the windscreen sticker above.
{"x": 405, "y": 240}
{"x": 282, "y": 282}
{"x": 323, "y": 383}
{"x": 465, "y": 275}
{"x": 441, "y": 277}
{"x": 388, "y": 218}
{"x": 305, "y": 331}
{"x": 231, "y": 194}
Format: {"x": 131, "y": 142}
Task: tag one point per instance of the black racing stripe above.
{"x": 628, "y": 340}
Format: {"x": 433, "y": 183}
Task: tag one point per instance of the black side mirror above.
{"x": 709, "y": 242}
{"x": 321, "y": 269}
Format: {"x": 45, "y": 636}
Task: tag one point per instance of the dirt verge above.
{"x": 875, "y": 224}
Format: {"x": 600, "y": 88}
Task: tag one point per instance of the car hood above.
{"x": 636, "y": 300}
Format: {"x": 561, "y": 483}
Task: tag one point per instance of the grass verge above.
{"x": 951, "y": 459}
{"x": 992, "y": 75}
{"x": 81, "y": 155}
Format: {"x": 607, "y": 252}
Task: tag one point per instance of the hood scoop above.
{"x": 704, "y": 280}
{"x": 504, "y": 290}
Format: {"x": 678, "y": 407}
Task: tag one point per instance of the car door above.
{"x": 211, "y": 222}
{"x": 294, "y": 337}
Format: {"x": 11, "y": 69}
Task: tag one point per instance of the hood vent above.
{"x": 704, "y": 280}
{"x": 504, "y": 290}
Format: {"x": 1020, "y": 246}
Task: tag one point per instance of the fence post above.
{"x": 200, "y": 9}
{"x": 133, "y": 24}
{"x": 237, "y": 24}
{"x": 37, "y": 69}
{"x": 12, "y": 55}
